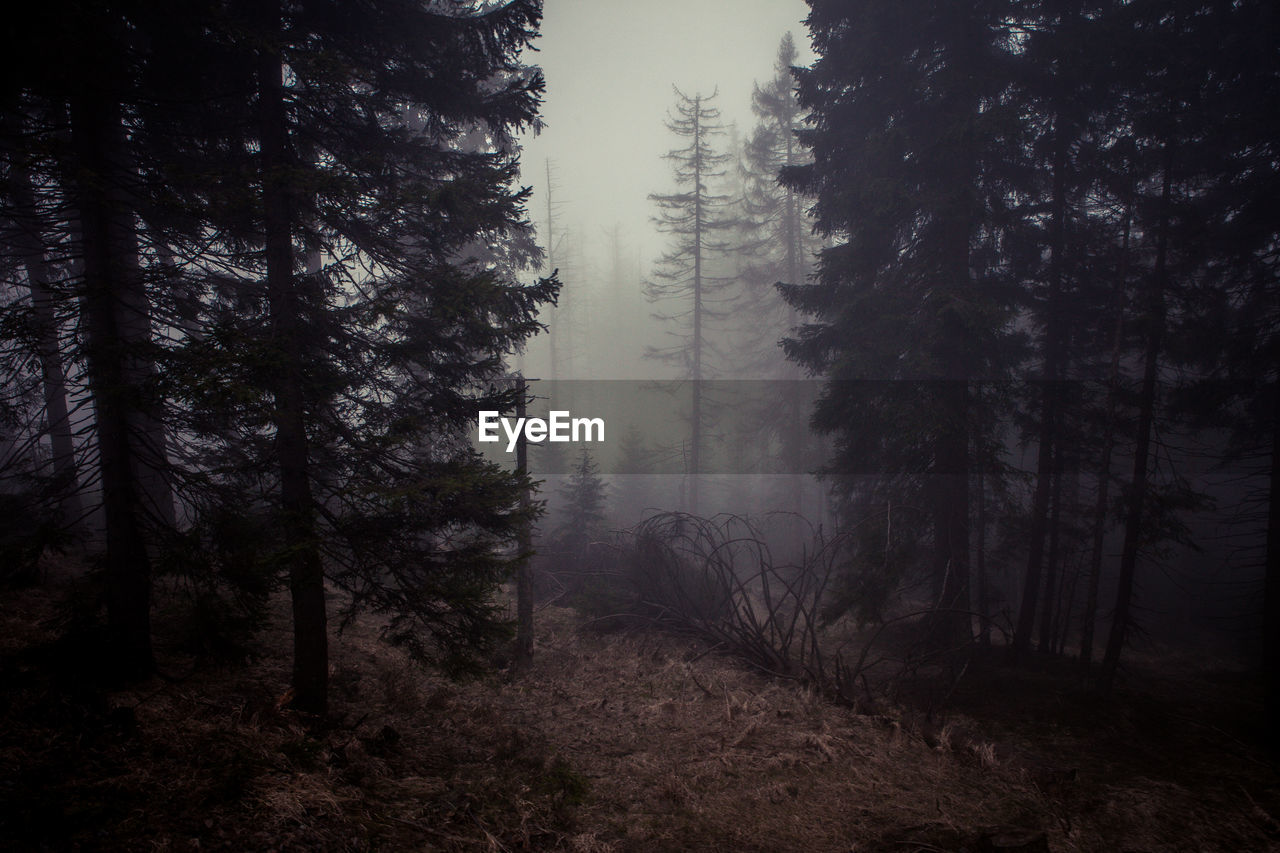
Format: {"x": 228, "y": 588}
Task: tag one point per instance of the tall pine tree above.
{"x": 697, "y": 218}
{"x": 907, "y": 130}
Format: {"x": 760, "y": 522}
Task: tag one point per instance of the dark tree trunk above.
{"x": 980, "y": 568}
{"x": 1155, "y": 318}
{"x": 1054, "y": 560}
{"x": 306, "y": 572}
{"x": 116, "y": 323}
{"x": 28, "y": 237}
{"x": 1069, "y": 584}
{"x": 953, "y": 625}
{"x": 1049, "y": 400}
{"x": 797, "y": 431}
{"x": 1271, "y": 594}
{"x": 524, "y": 572}
{"x": 1089, "y": 619}
{"x": 554, "y": 334}
{"x": 955, "y": 348}
{"x": 950, "y": 475}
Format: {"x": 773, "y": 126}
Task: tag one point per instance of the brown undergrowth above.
{"x": 607, "y": 742}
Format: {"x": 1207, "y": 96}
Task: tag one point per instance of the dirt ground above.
{"x": 612, "y": 742}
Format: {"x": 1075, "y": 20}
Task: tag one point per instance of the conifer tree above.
{"x": 582, "y": 509}
{"x": 778, "y": 245}
{"x": 1244, "y": 357}
{"x": 388, "y": 350}
{"x": 1174, "y": 158}
{"x": 76, "y": 184}
{"x": 632, "y": 487}
{"x": 321, "y": 201}
{"x": 700, "y": 225}
{"x": 906, "y": 128}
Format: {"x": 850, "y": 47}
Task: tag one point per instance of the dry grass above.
{"x": 607, "y": 742}
{"x": 704, "y": 755}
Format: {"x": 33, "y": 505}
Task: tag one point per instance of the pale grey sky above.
{"x": 610, "y": 66}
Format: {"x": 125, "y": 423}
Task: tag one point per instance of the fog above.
{"x": 611, "y": 69}
{"x": 816, "y": 425}
{"x": 610, "y": 66}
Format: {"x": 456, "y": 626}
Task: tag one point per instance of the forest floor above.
{"x": 611, "y": 742}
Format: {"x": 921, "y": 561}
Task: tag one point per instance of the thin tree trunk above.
{"x": 1049, "y": 401}
{"x": 1271, "y": 593}
{"x": 1066, "y": 555}
{"x": 951, "y": 523}
{"x": 306, "y": 572}
{"x": 1108, "y": 445}
{"x": 554, "y": 334}
{"x": 695, "y": 438}
{"x": 29, "y": 241}
{"x": 951, "y": 472}
{"x": 1122, "y": 619}
{"x": 524, "y": 572}
{"x": 1066, "y": 606}
{"x": 957, "y": 351}
{"x": 797, "y": 432}
{"x": 984, "y": 615}
{"x": 1053, "y": 561}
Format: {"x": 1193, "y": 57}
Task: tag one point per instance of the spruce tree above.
{"x": 906, "y": 128}
{"x": 76, "y": 183}
{"x": 778, "y": 245}
{"x": 1176, "y": 156}
{"x": 1240, "y": 346}
{"x": 387, "y": 351}
{"x": 633, "y": 485}
{"x": 582, "y": 509}
{"x": 317, "y": 205}
{"x": 698, "y": 220}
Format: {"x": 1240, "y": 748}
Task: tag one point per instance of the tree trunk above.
{"x": 113, "y": 304}
{"x": 1068, "y": 583}
{"x": 695, "y": 438}
{"x": 1054, "y": 560}
{"x": 306, "y": 572}
{"x": 554, "y": 334}
{"x": 953, "y": 625}
{"x": 984, "y": 614}
{"x": 28, "y": 238}
{"x": 1108, "y": 445}
{"x": 797, "y": 430}
{"x": 1049, "y": 402}
{"x": 958, "y": 353}
{"x": 524, "y": 572}
{"x": 1121, "y": 620}
{"x": 1271, "y": 594}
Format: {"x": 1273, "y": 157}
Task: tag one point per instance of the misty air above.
{"x": 772, "y": 425}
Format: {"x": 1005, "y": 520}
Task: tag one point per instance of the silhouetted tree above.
{"x": 908, "y": 132}
{"x": 377, "y": 376}
{"x": 697, "y": 218}
{"x": 318, "y": 203}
